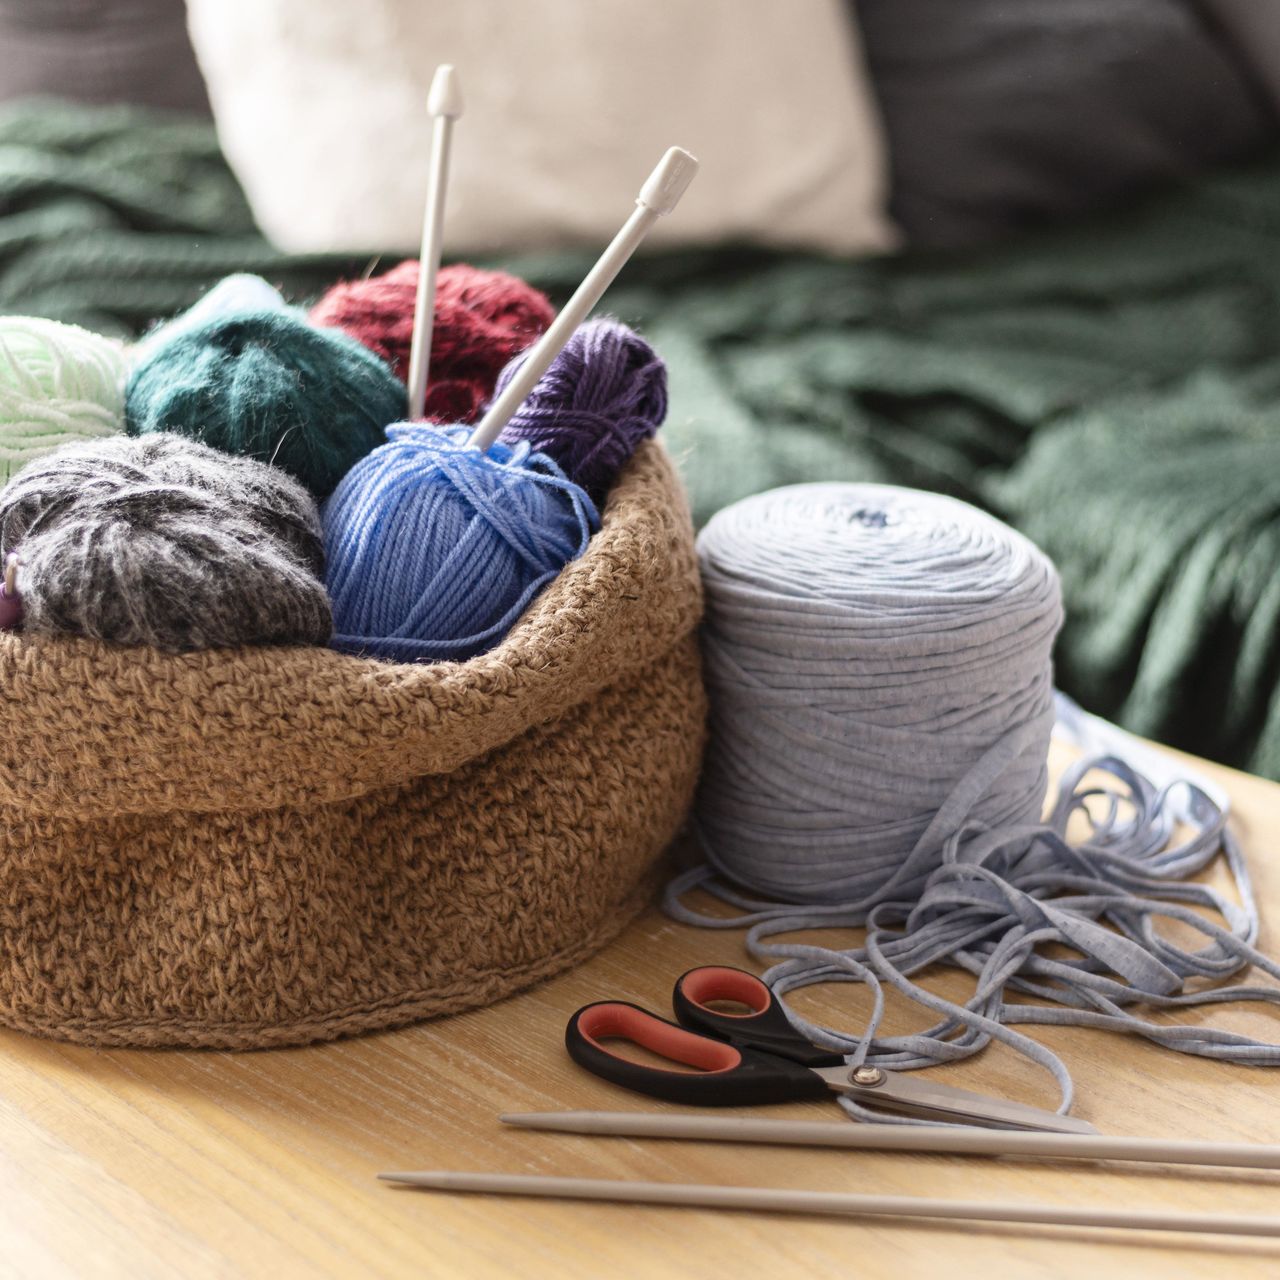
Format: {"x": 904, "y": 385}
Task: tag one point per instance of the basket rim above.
{"x": 98, "y": 731}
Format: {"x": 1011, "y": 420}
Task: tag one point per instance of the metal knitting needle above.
{"x": 444, "y": 104}
{"x": 769, "y": 1199}
{"x": 659, "y": 195}
{"x": 892, "y": 1137}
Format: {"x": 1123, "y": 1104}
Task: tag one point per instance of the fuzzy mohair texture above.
{"x": 268, "y": 385}
{"x": 164, "y": 542}
{"x": 266, "y": 847}
{"x": 482, "y": 319}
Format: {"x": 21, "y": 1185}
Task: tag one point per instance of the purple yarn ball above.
{"x": 603, "y": 394}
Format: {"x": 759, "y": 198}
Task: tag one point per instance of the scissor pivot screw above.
{"x": 868, "y": 1077}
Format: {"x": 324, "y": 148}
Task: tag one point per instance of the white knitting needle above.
{"x": 659, "y": 195}
{"x": 771, "y": 1200}
{"x": 444, "y": 104}
{"x": 893, "y": 1137}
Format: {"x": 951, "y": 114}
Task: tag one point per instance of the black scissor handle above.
{"x": 763, "y": 1026}
{"x": 724, "y": 1076}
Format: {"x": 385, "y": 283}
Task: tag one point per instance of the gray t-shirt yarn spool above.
{"x": 879, "y": 666}
{"x": 166, "y": 542}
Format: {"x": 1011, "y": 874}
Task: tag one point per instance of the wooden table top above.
{"x": 160, "y": 1163}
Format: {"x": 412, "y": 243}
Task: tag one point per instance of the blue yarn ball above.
{"x": 266, "y": 384}
{"x": 434, "y": 548}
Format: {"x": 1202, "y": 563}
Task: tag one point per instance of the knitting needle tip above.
{"x": 660, "y": 194}
{"x": 445, "y": 97}
{"x": 435, "y": 1179}
{"x": 564, "y": 1121}
{"x": 669, "y": 181}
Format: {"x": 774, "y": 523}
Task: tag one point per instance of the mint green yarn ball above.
{"x": 58, "y": 384}
{"x": 266, "y": 384}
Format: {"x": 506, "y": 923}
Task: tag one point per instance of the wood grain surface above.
{"x": 198, "y": 1164}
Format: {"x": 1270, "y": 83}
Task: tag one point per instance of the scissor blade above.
{"x": 926, "y": 1099}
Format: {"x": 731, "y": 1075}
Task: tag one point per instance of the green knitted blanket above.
{"x": 1112, "y": 389}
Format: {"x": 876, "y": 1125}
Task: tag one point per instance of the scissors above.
{"x": 742, "y": 1059}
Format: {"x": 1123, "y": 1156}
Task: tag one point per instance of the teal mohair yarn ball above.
{"x": 58, "y": 384}
{"x": 434, "y": 549}
{"x": 267, "y": 385}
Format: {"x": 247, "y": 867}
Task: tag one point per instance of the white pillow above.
{"x": 321, "y": 109}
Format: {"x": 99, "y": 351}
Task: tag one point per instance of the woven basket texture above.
{"x": 259, "y": 847}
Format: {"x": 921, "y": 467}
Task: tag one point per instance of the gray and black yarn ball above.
{"x": 166, "y": 542}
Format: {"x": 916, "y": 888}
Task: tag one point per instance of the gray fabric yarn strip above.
{"x": 879, "y": 663}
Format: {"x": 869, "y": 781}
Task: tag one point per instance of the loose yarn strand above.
{"x": 882, "y": 700}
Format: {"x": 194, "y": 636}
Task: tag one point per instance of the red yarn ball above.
{"x": 483, "y": 318}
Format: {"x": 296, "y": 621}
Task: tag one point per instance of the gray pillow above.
{"x": 100, "y": 51}
{"x": 1002, "y": 114}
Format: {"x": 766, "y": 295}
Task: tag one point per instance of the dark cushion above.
{"x": 1253, "y": 28}
{"x": 1002, "y": 114}
{"x": 100, "y": 51}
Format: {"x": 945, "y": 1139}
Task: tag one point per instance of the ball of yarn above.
{"x": 603, "y": 394}
{"x": 435, "y": 549}
{"x": 162, "y": 541}
{"x": 879, "y": 668}
{"x": 58, "y": 384}
{"x": 870, "y": 652}
{"x": 270, "y": 386}
{"x": 482, "y": 319}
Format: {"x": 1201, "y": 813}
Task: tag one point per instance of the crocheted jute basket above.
{"x": 261, "y": 847}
